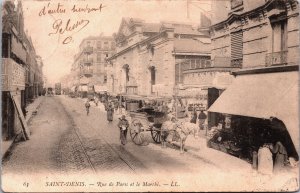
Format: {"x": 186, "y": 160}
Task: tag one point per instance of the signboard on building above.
{"x": 13, "y": 75}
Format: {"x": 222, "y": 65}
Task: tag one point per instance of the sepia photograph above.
{"x": 150, "y": 96}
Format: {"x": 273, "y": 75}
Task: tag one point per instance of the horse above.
{"x": 174, "y": 131}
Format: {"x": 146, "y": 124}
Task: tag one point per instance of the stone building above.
{"x": 89, "y": 68}
{"x": 262, "y": 37}
{"x": 149, "y": 55}
{"x": 17, "y": 86}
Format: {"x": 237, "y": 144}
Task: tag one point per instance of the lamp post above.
{"x": 176, "y": 90}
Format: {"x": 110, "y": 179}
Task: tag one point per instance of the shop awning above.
{"x": 264, "y": 96}
{"x": 99, "y": 88}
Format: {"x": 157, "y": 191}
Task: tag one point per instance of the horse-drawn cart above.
{"x": 162, "y": 129}
{"x": 146, "y": 119}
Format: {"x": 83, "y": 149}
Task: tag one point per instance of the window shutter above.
{"x": 237, "y": 45}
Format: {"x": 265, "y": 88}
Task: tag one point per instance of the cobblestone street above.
{"x": 66, "y": 142}
{"x": 65, "y": 139}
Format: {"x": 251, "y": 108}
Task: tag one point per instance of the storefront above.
{"x": 82, "y": 91}
{"x": 261, "y": 106}
{"x": 13, "y": 100}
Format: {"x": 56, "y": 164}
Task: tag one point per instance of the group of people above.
{"x": 201, "y": 117}
{"x": 123, "y": 122}
{"x": 271, "y": 158}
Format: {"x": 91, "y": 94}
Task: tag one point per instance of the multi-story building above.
{"x": 149, "y": 55}
{"x": 90, "y": 62}
{"x": 17, "y": 86}
{"x": 262, "y": 37}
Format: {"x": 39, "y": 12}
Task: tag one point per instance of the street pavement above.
{"x": 65, "y": 140}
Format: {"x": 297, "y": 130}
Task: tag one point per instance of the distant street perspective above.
{"x": 150, "y": 96}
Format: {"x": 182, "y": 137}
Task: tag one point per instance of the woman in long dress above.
{"x": 280, "y": 156}
{"x": 110, "y": 113}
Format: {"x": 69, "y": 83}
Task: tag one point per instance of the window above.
{"x": 106, "y": 46}
{"x": 178, "y": 73}
{"x": 193, "y": 62}
{"x": 99, "y": 44}
{"x": 237, "y": 48}
{"x": 88, "y": 43}
{"x": 105, "y": 79}
{"x": 113, "y": 45}
{"x": 152, "y": 50}
{"x": 278, "y": 55}
{"x": 152, "y": 74}
{"x": 99, "y": 57}
{"x": 198, "y": 63}
{"x": 279, "y": 36}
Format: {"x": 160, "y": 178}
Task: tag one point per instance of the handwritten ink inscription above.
{"x": 60, "y": 28}
{"x": 68, "y": 27}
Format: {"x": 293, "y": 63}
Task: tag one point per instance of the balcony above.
{"x": 237, "y": 63}
{"x": 87, "y": 61}
{"x": 192, "y": 64}
{"x": 86, "y": 72}
{"x": 88, "y": 50}
{"x": 276, "y": 58}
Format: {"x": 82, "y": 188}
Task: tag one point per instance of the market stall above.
{"x": 264, "y": 108}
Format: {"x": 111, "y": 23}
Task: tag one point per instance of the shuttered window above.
{"x": 237, "y": 48}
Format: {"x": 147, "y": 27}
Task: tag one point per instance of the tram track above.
{"x": 104, "y": 146}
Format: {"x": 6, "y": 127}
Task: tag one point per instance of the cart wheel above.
{"x": 135, "y": 132}
{"x": 156, "y": 135}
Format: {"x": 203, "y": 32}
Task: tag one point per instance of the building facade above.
{"x": 89, "y": 67}
{"x": 263, "y": 38}
{"x": 149, "y": 55}
{"x": 17, "y": 64}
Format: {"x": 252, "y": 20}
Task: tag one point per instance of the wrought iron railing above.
{"x": 237, "y": 62}
{"x": 276, "y": 58}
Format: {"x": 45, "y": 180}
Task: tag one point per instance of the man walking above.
{"x": 123, "y": 125}
{"x": 202, "y": 117}
{"x": 87, "y": 106}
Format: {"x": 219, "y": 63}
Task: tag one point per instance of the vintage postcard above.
{"x": 150, "y": 95}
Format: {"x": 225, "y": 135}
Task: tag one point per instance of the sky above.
{"x": 47, "y": 29}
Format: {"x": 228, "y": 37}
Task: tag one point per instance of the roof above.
{"x": 191, "y": 45}
{"x": 186, "y": 29}
{"x": 151, "y": 27}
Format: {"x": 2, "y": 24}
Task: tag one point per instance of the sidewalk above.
{"x": 31, "y": 111}
{"x": 198, "y": 147}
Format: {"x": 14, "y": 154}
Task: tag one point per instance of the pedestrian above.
{"x": 123, "y": 125}
{"x": 265, "y": 160}
{"x": 202, "y": 117}
{"x": 116, "y": 105}
{"x": 165, "y": 108}
{"x": 194, "y": 117}
{"x": 110, "y": 113}
{"x": 96, "y": 100}
{"x": 87, "y": 107}
{"x": 280, "y": 156}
